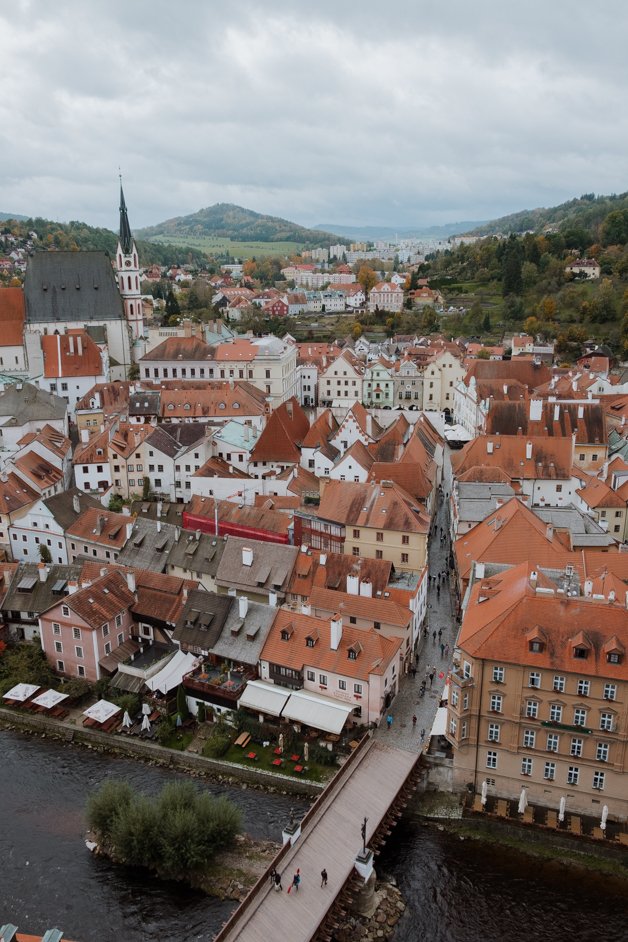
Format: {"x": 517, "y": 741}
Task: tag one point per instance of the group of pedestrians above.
{"x": 275, "y": 880}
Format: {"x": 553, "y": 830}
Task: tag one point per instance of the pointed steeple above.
{"x": 126, "y": 239}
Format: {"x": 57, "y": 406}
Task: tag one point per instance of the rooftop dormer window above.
{"x": 580, "y": 653}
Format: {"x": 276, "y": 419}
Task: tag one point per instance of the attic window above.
{"x": 170, "y": 406}
{"x": 310, "y": 642}
{"x": 581, "y": 653}
{"x": 536, "y": 646}
{"x": 236, "y": 405}
{"x": 285, "y": 634}
{"x": 613, "y": 657}
{"x": 187, "y": 407}
{"x": 221, "y": 405}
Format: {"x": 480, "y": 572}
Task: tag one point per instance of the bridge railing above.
{"x": 251, "y": 896}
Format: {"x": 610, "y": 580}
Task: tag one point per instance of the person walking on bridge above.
{"x": 323, "y": 877}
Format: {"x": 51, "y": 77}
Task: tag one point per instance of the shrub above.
{"x": 176, "y": 834}
{"x": 321, "y": 756}
{"x": 76, "y": 688}
{"x": 219, "y": 742}
{"x": 201, "y": 714}
{"x": 129, "y": 702}
{"x": 182, "y": 703}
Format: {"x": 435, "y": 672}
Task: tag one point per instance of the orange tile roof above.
{"x": 127, "y": 437}
{"x": 511, "y": 534}
{"x": 332, "y": 574}
{"x": 375, "y": 652}
{"x": 112, "y": 527}
{"x": 321, "y": 430}
{"x": 94, "y": 451}
{"x": 523, "y": 371}
{"x": 596, "y": 494}
{"x": 180, "y": 348}
{"x": 14, "y": 493}
{"x": 12, "y": 310}
{"x": 552, "y": 458}
{"x": 213, "y": 399}
{"x": 381, "y": 506}
{"x": 359, "y": 452}
{"x": 236, "y": 350}
{"x": 407, "y": 475}
{"x": 360, "y": 606}
{"x": 252, "y": 517}
{"x": 38, "y": 470}
{"x": 283, "y": 434}
{"x": 100, "y": 601}
{"x": 504, "y": 609}
{"x": 73, "y": 354}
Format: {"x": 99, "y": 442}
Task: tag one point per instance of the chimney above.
{"x": 42, "y": 572}
{"x": 489, "y": 447}
{"x": 335, "y": 636}
{"x": 84, "y": 435}
{"x": 71, "y": 344}
{"x": 76, "y": 504}
{"x": 533, "y": 577}
{"x": 129, "y": 530}
{"x": 272, "y": 599}
{"x": 323, "y": 559}
{"x": 505, "y": 388}
{"x": 479, "y": 570}
{"x": 243, "y": 606}
{"x": 353, "y": 584}
{"x": 366, "y": 588}
{"x": 528, "y": 451}
{"x": 79, "y": 345}
{"x": 247, "y": 556}
{"x": 580, "y": 412}
{"x": 549, "y": 531}
{"x": 100, "y": 522}
{"x": 306, "y": 608}
{"x": 177, "y": 534}
{"x": 103, "y": 571}
{"x": 588, "y": 588}
{"x": 159, "y": 526}
{"x": 369, "y": 425}
{"x": 159, "y": 508}
{"x": 556, "y": 412}
{"x": 130, "y": 581}
{"x": 289, "y": 409}
{"x": 72, "y": 586}
{"x": 536, "y": 410}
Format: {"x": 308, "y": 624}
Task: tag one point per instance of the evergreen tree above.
{"x": 512, "y": 261}
{"x": 172, "y": 305}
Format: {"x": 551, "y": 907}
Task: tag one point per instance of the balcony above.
{"x": 216, "y": 685}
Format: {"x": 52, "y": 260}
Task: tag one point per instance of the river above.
{"x": 457, "y": 891}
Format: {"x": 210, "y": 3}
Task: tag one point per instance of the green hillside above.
{"x": 226, "y": 221}
{"x": 588, "y": 212}
{"x": 79, "y": 237}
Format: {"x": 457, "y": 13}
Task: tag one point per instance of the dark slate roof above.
{"x": 144, "y": 402}
{"x": 202, "y": 619}
{"x": 34, "y": 595}
{"x": 71, "y": 286}
{"x": 27, "y": 403}
{"x": 148, "y": 546}
{"x": 170, "y": 511}
{"x": 197, "y": 553}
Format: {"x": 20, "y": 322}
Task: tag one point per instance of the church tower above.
{"x": 128, "y": 269}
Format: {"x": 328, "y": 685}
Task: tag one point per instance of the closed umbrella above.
{"x": 281, "y": 741}
{"x": 604, "y": 817}
{"x": 306, "y": 751}
{"x": 523, "y": 801}
{"x": 484, "y": 792}
{"x": 561, "y": 809}
{"x": 146, "y": 725}
{"x": 146, "y": 709}
{"x": 126, "y": 720}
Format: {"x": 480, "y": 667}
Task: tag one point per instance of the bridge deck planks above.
{"x": 332, "y": 841}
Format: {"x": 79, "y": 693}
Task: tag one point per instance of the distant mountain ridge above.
{"x": 15, "y": 216}
{"x": 586, "y": 212}
{"x": 390, "y": 233}
{"x": 227, "y": 221}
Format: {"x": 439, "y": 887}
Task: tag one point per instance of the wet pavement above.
{"x": 440, "y": 615}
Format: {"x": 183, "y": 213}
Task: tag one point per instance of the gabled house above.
{"x": 357, "y": 425}
{"x": 279, "y": 445}
{"x": 196, "y": 556}
{"x": 261, "y": 571}
{"x": 31, "y": 590}
{"x": 378, "y": 385}
{"x": 99, "y": 534}
{"x": 44, "y": 523}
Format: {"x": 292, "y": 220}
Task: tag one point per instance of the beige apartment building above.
{"x": 440, "y": 378}
{"x": 539, "y": 699}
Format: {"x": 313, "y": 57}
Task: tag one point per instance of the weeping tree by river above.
{"x": 176, "y": 834}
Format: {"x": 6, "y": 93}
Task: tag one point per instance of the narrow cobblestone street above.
{"x": 440, "y": 615}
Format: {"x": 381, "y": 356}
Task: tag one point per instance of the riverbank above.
{"x": 196, "y": 765}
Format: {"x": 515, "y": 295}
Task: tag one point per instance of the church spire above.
{"x": 126, "y": 239}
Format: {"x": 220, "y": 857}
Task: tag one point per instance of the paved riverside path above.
{"x": 440, "y": 614}
{"x": 330, "y": 840}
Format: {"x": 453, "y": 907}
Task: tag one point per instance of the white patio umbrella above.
{"x": 561, "y": 809}
{"x": 102, "y": 711}
{"x": 306, "y": 751}
{"x": 523, "y": 801}
{"x": 604, "y": 817}
{"x": 21, "y": 692}
{"x": 281, "y": 741}
{"x": 146, "y": 710}
{"x": 484, "y": 792}
{"x": 50, "y": 699}
{"x": 146, "y": 725}
{"x": 126, "y": 720}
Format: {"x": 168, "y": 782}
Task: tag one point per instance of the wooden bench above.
{"x": 243, "y": 740}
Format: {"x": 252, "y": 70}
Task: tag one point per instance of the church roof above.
{"x": 126, "y": 239}
{"x": 62, "y": 287}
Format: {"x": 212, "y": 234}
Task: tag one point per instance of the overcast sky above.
{"x": 334, "y": 111}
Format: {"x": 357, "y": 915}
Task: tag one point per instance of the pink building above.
{"x": 87, "y": 625}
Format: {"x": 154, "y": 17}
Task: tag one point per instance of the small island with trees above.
{"x": 183, "y": 833}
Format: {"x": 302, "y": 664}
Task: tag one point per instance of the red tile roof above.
{"x": 552, "y": 458}
{"x": 381, "y": 506}
{"x": 101, "y": 526}
{"x": 283, "y": 434}
{"x": 12, "y": 310}
{"x": 71, "y": 355}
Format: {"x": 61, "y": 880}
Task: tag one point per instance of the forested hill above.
{"x": 78, "y": 236}
{"x": 226, "y": 221}
{"x": 588, "y": 212}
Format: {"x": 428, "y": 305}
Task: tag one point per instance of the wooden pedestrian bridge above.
{"x": 375, "y": 783}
